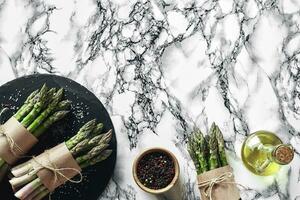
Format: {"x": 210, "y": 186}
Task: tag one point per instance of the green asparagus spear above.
{"x": 106, "y": 137}
{"x": 27, "y": 106}
{"x": 91, "y": 154}
{"x": 64, "y": 105}
{"x": 37, "y": 107}
{"x": 37, "y": 192}
{"x": 103, "y": 156}
{"x": 97, "y": 130}
{"x": 31, "y": 97}
{"x": 213, "y": 150}
{"x": 221, "y": 146}
{"x": 41, "y": 195}
{"x": 80, "y": 147}
{"x": 83, "y": 133}
{"x": 88, "y": 144}
{"x": 199, "y": 151}
{"x": 202, "y": 151}
{"x": 49, "y": 97}
{"x": 51, "y": 120}
{"x": 39, "y": 120}
{"x": 192, "y": 153}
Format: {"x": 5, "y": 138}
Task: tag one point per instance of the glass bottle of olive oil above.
{"x": 263, "y": 153}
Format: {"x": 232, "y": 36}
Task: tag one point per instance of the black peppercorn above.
{"x": 156, "y": 170}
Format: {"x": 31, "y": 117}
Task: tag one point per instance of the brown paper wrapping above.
{"x": 22, "y": 139}
{"x": 220, "y": 191}
{"x": 60, "y": 158}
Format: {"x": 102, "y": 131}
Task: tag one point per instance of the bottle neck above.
{"x": 282, "y": 154}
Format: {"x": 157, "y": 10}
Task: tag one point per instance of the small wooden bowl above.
{"x": 165, "y": 189}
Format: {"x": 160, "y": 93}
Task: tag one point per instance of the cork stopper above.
{"x": 283, "y": 154}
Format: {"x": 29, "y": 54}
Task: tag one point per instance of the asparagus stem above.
{"x": 199, "y": 151}
{"x": 21, "y": 165}
{"x": 192, "y": 153}
{"x": 51, "y": 120}
{"x": 97, "y": 130}
{"x": 88, "y": 144}
{"x": 63, "y": 105}
{"x": 39, "y": 120}
{"x": 213, "y": 150}
{"x": 36, "y": 109}
{"x": 221, "y": 146}
{"x": 49, "y": 97}
{"x": 91, "y": 154}
{"x": 41, "y": 195}
{"x": 203, "y": 154}
{"x": 36, "y": 192}
{"x": 21, "y": 170}
{"x": 26, "y": 107}
{"x": 106, "y": 137}
{"x": 28, "y": 189}
{"x": 103, "y": 156}
{"x": 80, "y": 147}
{"x": 82, "y": 134}
{"x": 22, "y": 180}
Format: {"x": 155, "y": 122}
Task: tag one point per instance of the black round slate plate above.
{"x": 85, "y": 107}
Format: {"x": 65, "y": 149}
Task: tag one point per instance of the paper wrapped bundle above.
{"x": 43, "y": 174}
{"x": 215, "y": 176}
{"x": 55, "y": 167}
{"x": 20, "y": 133}
{"x": 15, "y": 141}
{"x": 218, "y": 184}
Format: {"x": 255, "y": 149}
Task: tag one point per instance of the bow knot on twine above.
{"x": 51, "y": 166}
{"x": 210, "y": 184}
{"x": 13, "y": 146}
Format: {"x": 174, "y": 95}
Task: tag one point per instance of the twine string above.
{"x": 15, "y": 149}
{"x": 210, "y": 184}
{"x": 51, "y": 166}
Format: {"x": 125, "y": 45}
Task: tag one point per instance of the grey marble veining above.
{"x": 163, "y": 67}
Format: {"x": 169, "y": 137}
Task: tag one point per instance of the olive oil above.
{"x": 263, "y": 153}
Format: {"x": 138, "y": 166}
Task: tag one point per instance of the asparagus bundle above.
{"x": 208, "y": 152}
{"x": 88, "y": 147}
{"x": 41, "y": 109}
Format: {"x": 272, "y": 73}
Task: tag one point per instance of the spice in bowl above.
{"x": 156, "y": 170}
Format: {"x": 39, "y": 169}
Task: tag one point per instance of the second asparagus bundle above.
{"x": 41, "y": 109}
{"x": 215, "y": 176}
{"x": 41, "y": 175}
{"x": 208, "y": 153}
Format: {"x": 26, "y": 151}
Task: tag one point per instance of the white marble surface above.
{"x": 163, "y": 67}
